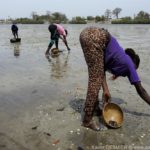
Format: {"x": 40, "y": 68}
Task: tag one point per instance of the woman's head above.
{"x": 135, "y": 58}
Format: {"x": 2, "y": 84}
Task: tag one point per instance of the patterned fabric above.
{"x": 93, "y": 42}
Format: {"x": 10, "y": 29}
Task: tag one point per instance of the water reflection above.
{"x": 58, "y": 65}
{"x": 17, "y": 50}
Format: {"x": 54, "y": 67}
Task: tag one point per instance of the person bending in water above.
{"x": 102, "y": 52}
{"x": 14, "y": 30}
{"x": 57, "y": 31}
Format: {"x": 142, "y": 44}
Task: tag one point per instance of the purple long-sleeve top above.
{"x": 118, "y": 62}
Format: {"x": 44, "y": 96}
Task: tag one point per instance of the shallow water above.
{"x": 28, "y": 78}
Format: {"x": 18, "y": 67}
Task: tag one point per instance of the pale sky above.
{"x": 84, "y": 8}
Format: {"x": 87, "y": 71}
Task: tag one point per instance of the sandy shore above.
{"x": 57, "y": 125}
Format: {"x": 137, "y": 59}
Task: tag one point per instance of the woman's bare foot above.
{"x": 91, "y": 125}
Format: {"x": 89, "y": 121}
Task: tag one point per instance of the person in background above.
{"x": 103, "y": 53}
{"x": 14, "y": 30}
{"x": 57, "y": 31}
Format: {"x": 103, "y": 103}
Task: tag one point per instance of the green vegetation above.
{"x": 78, "y": 20}
{"x": 99, "y": 18}
{"x": 57, "y": 17}
{"x": 116, "y": 12}
{"x": 130, "y": 21}
{"x": 40, "y": 19}
{"x": 28, "y": 21}
{"x": 141, "y": 18}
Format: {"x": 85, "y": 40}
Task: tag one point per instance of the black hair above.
{"x": 66, "y": 31}
{"x": 135, "y": 57}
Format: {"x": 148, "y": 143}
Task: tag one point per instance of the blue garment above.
{"x": 118, "y": 62}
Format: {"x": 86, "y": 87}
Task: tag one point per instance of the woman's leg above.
{"x": 49, "y": 47}
{"x": 17, "y": 34}
{"x": 93, "y": 42}
{"x": 52, "y": 29}
{"x": 13, "y": 32}
{"x": 56, "y": 42}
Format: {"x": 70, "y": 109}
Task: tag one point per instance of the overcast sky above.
{"x": 23, "y": 8}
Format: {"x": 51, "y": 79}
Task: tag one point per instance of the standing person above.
{"x": 102, "y": 52}
{"x": 14, "y": 30}
{"x": 57, "y": 31}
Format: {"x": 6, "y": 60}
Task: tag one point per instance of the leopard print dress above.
{"x": 93, "y": 42}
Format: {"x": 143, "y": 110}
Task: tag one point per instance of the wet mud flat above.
{"x": 41, "y": 98}
{"x": 58, "y": 126}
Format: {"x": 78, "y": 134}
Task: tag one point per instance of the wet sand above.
{"x": 41, "y": 98}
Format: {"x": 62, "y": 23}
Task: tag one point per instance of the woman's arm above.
{"x": 142, "y": 92}
{"x": 106, "y": 97}
{"x": 65, "y": 41}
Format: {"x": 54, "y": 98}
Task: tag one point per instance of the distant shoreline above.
{"x": 121, "y": 23}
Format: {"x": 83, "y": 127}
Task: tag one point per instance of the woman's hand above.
{"x": 65, "y": 41}
{"x": 113, "y": 77}
{"x": 106, "y": 98}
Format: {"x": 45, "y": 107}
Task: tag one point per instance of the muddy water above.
{"x": 27, "y": 76}
{"x": 28, "y": 79}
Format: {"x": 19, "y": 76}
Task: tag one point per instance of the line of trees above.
{"x": 40, "y": 19}
{"x": 141, "y": 17}
{"x": 115, "y": 13}
{"x": 50, "y": 17}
